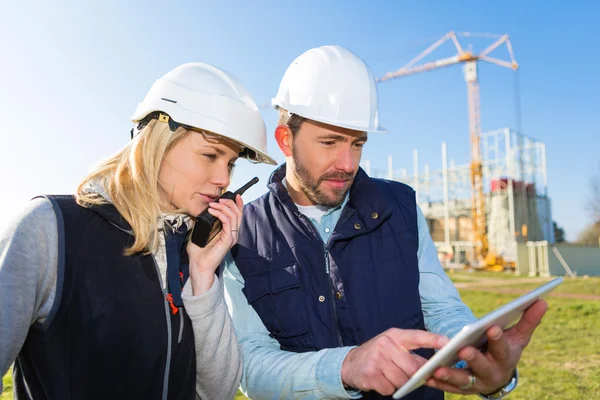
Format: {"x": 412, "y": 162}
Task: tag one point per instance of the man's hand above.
{"x": 493, "y": 369}
{"x": 385, "y": 362}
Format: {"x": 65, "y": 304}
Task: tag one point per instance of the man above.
{"x": 335, "y": 281}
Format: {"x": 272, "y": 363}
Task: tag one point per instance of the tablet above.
{"x": 473, "y": 334}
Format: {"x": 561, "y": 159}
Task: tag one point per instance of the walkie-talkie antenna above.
{"x": 241, "y": 190}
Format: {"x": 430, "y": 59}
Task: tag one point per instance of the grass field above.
{"x": 563, "y": 360}
{"x": 7, "y": 393}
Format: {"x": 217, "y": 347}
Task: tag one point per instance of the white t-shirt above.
{"x": 315, "y": 212}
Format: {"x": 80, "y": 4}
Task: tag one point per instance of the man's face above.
{"x": 326, "y": 159}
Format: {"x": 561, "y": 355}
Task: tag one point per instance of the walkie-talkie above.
{"x": 207, "y": 225}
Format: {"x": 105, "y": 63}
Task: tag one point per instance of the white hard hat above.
{"x": 330, "y": 84}
{"x": 202, "y": 96}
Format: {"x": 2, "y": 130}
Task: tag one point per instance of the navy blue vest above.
{"x": 373, "y": 279}
{"x": 111, "y": 333}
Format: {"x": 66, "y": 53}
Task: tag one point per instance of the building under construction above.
{"x": 480, "y": 211}
{"x": 517, "y": 207}
{"x": 492, "y": 212}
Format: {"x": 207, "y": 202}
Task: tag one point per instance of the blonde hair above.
{"x": 130, "y": 178}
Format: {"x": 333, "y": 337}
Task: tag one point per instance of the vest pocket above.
{"x": 278, "y": 299}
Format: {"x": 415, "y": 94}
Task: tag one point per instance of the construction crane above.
{"x": 482, "y": 254}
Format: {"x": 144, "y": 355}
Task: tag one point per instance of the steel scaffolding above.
{"x": 515, "y": 184}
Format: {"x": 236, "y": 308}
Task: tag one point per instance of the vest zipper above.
{"x": 181, "y": 322}
{"x": 169, "y": 333}
{"x": 331, "y": 287}
{"x": 332, "y": 291}
{"x": 168, "y": 318}
{"x": 340, "y": 339}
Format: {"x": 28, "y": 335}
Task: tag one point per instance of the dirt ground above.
{"x": 494, "y": 285}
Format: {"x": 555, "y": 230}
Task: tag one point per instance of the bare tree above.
{"x": 591, "y": 234}
{"x": 594, "y": 199}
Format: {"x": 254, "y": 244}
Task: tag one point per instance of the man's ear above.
{"x": 284, "y": 139}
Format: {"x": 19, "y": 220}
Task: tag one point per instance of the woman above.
{"x": 95, "y": 300}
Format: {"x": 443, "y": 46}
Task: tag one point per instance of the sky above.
{"x": 72, "y": 73}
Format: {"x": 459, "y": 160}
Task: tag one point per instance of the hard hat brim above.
{"x": 276, "y": 103}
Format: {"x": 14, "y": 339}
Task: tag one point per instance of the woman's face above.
{"x": 195, "y": 171}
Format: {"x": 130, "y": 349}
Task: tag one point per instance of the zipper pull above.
{"x": 174, "y": 308}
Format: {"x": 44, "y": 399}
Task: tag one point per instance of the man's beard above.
{"x": 311, "y": 186}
